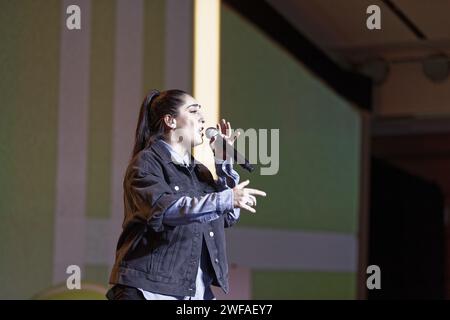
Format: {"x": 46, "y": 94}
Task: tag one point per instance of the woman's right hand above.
{"x": 245, "y": 197}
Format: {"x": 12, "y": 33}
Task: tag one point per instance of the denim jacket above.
{"x": 163, "y": 257}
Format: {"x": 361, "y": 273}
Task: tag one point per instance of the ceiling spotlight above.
{"x": 436, "y": 67}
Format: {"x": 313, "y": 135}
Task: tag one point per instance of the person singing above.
{"x": 172, "y": 244}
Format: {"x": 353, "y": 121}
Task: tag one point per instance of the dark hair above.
{"x": 155, "y": 106}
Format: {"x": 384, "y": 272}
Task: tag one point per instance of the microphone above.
{"x": 230, "y": 150}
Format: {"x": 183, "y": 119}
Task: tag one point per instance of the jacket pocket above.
{"x": 176, "y": 248}
{"x": 152, "y": 259}
{"x": 166, "y": 262}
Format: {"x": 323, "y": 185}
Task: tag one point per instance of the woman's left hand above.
{"x": 225, "y": 132}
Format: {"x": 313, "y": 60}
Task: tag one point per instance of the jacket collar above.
{"x": 201, "y": 170}
{"x": 164, "y": 151}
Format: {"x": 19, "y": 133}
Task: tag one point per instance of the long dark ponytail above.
{"x": 155, "y": 106}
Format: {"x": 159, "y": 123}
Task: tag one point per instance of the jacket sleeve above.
{"x": 147, "y": 197}
{"x": 152, "y": 200}
{"x": 199, "y": 209}
{"x": 228, "y": 178}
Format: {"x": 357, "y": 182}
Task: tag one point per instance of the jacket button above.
{"x": 176, "y": 188}
{"x": 211, "y": 234}
{"x": 216, "y": 260}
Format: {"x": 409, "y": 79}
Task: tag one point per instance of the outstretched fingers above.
{"x": 248, "y": 208}
{"x": 243, "y": 184}
{"x": 256, "y": 192}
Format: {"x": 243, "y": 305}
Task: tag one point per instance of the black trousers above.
{"x": 121, "y": 292}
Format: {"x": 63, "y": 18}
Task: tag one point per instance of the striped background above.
{"x": 70, "y": 102}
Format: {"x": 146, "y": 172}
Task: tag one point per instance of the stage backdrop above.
{"x": 302, "y": 242}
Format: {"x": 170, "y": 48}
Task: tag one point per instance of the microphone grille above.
{"x": 211, "y": 132}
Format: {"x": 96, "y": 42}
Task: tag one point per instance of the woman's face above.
{"x": 190, "y": 122}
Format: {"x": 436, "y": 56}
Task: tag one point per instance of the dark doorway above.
{"x": 406, "y": 238}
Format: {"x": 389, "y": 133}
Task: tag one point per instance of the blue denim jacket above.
{"x": 190, "y": 209}
{"x": 161, "y": 252}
